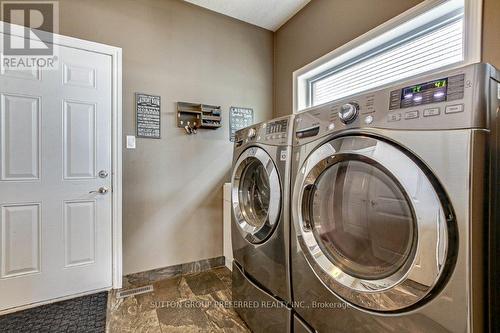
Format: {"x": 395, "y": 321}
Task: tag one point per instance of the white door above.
{"x": 55, "y": 139}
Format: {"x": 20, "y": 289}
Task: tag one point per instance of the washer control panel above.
{"x": 444, "y": 89}
{"x": 453, "y": 99}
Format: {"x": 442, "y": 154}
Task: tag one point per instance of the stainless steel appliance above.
{"x": 260, "y": 225}
{"x": 391, "y": 199}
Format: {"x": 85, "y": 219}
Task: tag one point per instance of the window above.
{"x": 434, "y": 34}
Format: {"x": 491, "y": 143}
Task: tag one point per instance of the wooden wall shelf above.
{"x": 198, "y": 115}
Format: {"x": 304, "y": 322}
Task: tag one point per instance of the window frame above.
{"x": 366, "y": 45}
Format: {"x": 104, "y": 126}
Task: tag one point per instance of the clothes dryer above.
{"x": 260, "y": 224}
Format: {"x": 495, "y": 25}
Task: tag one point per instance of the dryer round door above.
{"x": 374, "y": 227}
{"x": 256, "y": 195}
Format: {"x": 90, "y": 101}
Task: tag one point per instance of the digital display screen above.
{"x": 277, "y": 127}
{"x": 436, "y": 91}
{"x": 425, "y": 93}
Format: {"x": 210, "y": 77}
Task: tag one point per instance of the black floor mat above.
{"x": 83, "y": 314}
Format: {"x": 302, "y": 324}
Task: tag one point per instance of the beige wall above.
{"x": 172, "y": 188}
{"x": 491, "y": 32}
{"x": 320, "y": 27}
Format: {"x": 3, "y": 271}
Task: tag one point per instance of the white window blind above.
{"x": 429, "y": 50}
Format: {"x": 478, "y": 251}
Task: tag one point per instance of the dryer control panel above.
{"x": 453, "y": 99}
{"x": 275, "y": 132}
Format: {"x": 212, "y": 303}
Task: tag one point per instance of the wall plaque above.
{"x": 239, "y": 118}
{"x": 148, "y": 114}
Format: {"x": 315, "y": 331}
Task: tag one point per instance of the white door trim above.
{"x": 116, "y": 56}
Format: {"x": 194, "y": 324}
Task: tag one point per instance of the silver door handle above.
{"x": 101, "y": 190}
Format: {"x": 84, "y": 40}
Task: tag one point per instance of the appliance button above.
{"x": 432, "y": 112}
{"x": 251, "y": 133}
{"x": 348, "y": 112}
{"x": 394, "y": 117}
{"x": 454, "y": 108}
{"x": 411, "y": 114}
{"x": 368, "y": 120}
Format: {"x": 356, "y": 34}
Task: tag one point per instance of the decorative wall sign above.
{"x": 239, "y": 118}
{"x": 148, "y": 114}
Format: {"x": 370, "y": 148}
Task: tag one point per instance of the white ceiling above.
{"x": 268, "y": 14}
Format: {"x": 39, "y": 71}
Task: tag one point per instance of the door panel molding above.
{"x": 79, "y": 76}
{"x": 20, "y": 145}
{"x": 33, "y": 74}
{"x": 79, "y": 127}
{"x": 20, "y": 229}
{"x": 80, "y": 239}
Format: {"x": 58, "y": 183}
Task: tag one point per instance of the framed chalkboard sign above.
{"x": 148, "y": 114}
{"x": 239, "y": 118}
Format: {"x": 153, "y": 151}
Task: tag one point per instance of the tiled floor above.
{"x": 189, "y": 303}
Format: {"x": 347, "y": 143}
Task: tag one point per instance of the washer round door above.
{"x": 256, "y": 195}
{"x": 375, "y": 228}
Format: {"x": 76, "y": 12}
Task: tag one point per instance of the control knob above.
{"x": 251, "y": 133}
{"x": 348, "y": 112}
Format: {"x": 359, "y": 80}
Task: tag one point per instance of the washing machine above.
{"x": 260, "y": 229}
{"x": 391, "y": 205}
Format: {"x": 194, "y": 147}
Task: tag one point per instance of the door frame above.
{"x": 116, "y": 159}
